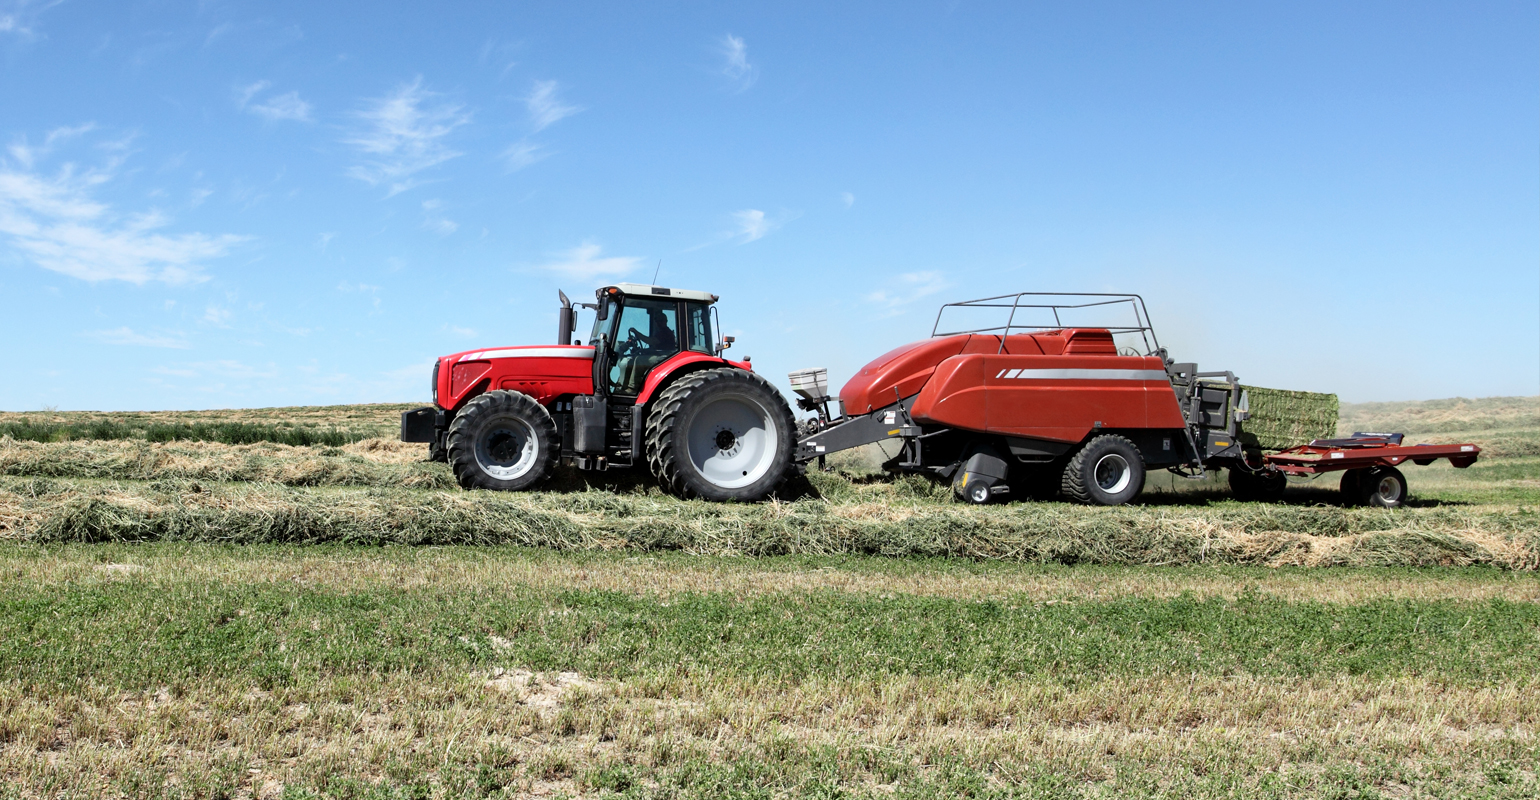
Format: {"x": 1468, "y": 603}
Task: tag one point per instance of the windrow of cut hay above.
{"x": 34, "y": 430}
{"x": 1280, "y": 418}
{"x": 41, "y": 510}
{"x": 372, "y": 462}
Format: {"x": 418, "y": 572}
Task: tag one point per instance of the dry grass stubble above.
{"x": 554, "y": 731}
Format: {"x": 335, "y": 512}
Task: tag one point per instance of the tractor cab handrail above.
{"x": 1142, "y": 324}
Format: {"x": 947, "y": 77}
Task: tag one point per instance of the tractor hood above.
{"x": 540, "y": 371}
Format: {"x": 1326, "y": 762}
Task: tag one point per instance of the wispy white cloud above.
{"x": 20, "y": 17}
{"x": 214, "y": 315}
{"x": 25, "y": 154}
{"x": 544, "y": 107}
{"x": 586, "y": 261}
{"x": 223, "y": 368}
{"x": 276, "y": 107}
{"x": 436, "y": 222}
{"x": 127, "y": 336}
{"x": 56, "y": 222}
{"x": 402, "y": 134}
{"x": 752, "y": 225}
{"x": 522, "y": 154}
{"x": 736, "y": 66}
{"x": 907, "y": 288}
{"x": 848, "y": 199}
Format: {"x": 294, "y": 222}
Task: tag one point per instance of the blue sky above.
{"x": 229, "y": 204}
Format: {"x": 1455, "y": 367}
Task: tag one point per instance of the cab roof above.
{"x": 647, "y": 290}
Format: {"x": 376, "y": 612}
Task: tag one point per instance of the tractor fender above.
{"x": 679, "y": 365}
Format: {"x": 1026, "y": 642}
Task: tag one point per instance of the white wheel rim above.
{"x": 980, "y": 493}
{"x": 507, "y": 448}
{"x": 732, "y": 441}
{"x": 1389, "y": 489}
{"x": 1112, "y": 473}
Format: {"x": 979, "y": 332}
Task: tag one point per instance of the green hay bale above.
{"x": 1281, "y": 419}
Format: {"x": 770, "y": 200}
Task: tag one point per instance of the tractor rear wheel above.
{"x": 504, "y": 441}
{"x": 1107, "y": 471}
{"x": 1264, "y": 487}
{"x": 720, "y": 434}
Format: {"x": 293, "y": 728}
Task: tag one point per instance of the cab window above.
{"x": 646, "y": 335}
{"x": 698, "y": 328}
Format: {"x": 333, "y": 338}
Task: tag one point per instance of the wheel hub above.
{"x": 507, "y": 449}
{"x": 1112, "y": 473}
{"x": 732, "y": 440}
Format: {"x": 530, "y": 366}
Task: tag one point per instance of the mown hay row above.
{"x": 36, "y": 430}
{"x": 53, "y": 511}
{"x": 371, "y": 462}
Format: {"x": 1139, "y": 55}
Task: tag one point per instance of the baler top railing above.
{"x": 1135, "y": 303}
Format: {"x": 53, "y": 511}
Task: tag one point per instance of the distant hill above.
{"x": 1501, "y": 425}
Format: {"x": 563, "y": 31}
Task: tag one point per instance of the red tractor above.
{"x": 1054, "y": 402}
{"x": 650, "y": 387}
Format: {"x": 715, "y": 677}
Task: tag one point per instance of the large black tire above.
{"x": 1107, "y": 471}
{"x": 1351, "y": 479}
{"x": 720, "y": 434}
{"x": 503, "y": 441}
{"x": 1382, "y": 487}
{"x": 1265, "y": 487}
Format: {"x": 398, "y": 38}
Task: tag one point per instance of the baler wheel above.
{"x": 720, "y": 434}
{"x": 504, "y": 441}
{"x": 1107, "y": 471}
{"x": 1382, "y": 487}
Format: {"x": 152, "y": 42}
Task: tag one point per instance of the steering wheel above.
{"x": 633, "y": 338}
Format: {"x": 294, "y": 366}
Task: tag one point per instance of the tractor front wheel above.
{"x": 504, "y": 441}
{"x": 1107, "y": 471}
{"x": 720, "y": 434}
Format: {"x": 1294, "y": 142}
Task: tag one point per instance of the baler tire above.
{"x": 1267, "y": 487}
{"x": 483, "y": 432}
{"x": 678, "y": 410}
{"x": 1382, "y": 487}
{"x": 1080, "y": 482}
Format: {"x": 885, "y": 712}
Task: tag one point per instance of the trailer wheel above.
{"x": 1266, "y": 487}
{"x": 1107, "y": 471}
{"x": 1382, "y": 487}
{"x": 720, "y": 434}
{"x": 503, "y": 441}
{"x": 1349, "y": 486}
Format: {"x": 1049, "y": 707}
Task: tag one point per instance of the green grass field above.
{"x": 186, "y": 619}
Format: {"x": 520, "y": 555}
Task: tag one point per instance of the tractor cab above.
{"x": 639, "y": 327}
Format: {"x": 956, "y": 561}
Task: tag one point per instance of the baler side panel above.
{"x": 897, "y": 373}
{"x": 1059, "y": 398}
{"x": 1164, "y": 410}
{"x": 956, "y": 396}
{"x": 1063, "y": 397}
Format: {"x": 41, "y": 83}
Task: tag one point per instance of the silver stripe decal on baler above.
{"x": 532, "y": 352}
{"x": 1084, "y": 374}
